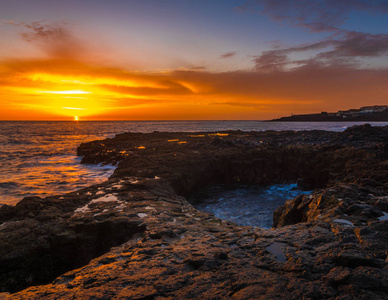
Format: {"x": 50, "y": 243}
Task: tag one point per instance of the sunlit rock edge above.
{"x": 137, "y": 237}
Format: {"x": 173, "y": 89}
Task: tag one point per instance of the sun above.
{"x": 76, "y": 118}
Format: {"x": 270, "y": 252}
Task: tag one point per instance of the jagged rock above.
{"x": 136, "y": 236}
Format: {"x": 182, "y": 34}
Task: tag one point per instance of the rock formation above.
{"x": 136, "y": 236}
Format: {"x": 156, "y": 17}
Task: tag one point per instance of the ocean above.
{"x": 247, "y": 205}
{"x": 39, "y": 158}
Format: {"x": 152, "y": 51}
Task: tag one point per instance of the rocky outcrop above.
{"x": 42, "y": 241}
{"x": 136, "y": 236}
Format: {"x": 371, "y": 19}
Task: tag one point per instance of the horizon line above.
{"x": 172, "y": 120}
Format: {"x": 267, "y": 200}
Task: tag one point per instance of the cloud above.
{"x": 311, "y": 88}
{"x": 46, "y": 33}
{"x": 55, "y": 39}
{"x": 278, "y": 59}
{"x": 270, "y": 61}
{"x": 228, "y": 54}
{"x": 10, "y": 22}
{"x": 48, "y": 81}
{"x": 358, "y": 44}
{"x": 341, "y": 47}
{"x": 184, "y": 94}
{"x": 279, "y": 83}
{"x": 194, "y": 68}
{"x": 317, "y": 15}
{"x": 172, "y": 89}
{"x": 344, "y": 48}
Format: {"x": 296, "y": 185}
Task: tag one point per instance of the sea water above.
{"x": 39, "y": 158}
{"x": 247, "y": 205}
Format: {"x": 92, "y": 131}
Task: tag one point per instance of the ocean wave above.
{"x": 8, "y": 185}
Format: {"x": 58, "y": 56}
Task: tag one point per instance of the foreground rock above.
{"x": 137, "y": 237}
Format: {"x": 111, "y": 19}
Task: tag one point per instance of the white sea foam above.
{"x": 106, "y": 198}
{"x": 343, "y": 222}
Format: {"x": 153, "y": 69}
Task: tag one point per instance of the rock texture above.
{"x": 137, "y": 237}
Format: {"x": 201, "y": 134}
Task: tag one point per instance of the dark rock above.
{"x": 135, "y": 236}
{"x": 353, "y": 258}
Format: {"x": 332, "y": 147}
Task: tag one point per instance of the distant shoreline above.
{"x": 364, "y": 114}
{"x": 317, "y": 118}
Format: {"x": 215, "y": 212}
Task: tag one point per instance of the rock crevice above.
{"x": 137, "y": 237}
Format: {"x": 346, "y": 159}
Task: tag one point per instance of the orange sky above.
{"x": 61, "y": 89}
{"x": 57, "y": 73}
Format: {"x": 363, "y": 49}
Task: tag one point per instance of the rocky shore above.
{"x": 136, "y": 236}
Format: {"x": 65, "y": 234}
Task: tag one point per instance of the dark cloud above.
{"x": 317, "y": 15}
{"x": 228, "y": 54}
{"x": 39, "y": 32}
{"x": 278, "y": 59}
{"x": 342, "y": 47}
{"x": 345, "y": 49}
{"x": 271, "y": 61}
{"x": 358, "y": 44}
{"x": 55, "y": 39}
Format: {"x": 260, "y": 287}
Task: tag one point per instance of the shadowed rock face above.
{"x": 42, "y": 242}
{"x": 314, "y": 157}
{"x": 331, "y": 244}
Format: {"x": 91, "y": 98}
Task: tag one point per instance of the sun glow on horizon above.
{"x": 76, "y": 118}
{"x": 72, "y": 92}
{"x": 105, "y": 93}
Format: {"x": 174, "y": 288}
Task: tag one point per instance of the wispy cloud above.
{"x": 256, "y": 94}
{"x": 56, "y": 39}
{"x": 327, "y": 78}
{"x": 359, "y": 44}
{"x": 10, "y": 22}
{"x": 269, "y": 61}
{"x": 317, "y": 15}
{"x": 228, "y": 54}
{"x": 343, "y": 48}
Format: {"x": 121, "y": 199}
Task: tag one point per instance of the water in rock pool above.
{"x": 246, "y": 205}
{"x": 39, "y": 158}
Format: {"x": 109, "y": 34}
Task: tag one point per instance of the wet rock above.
{"x": 136, "y": 236}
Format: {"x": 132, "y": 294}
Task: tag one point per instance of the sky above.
{"x": 190, "y": 60}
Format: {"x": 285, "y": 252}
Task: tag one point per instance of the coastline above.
{"x": 376, "y": 113}
{"x": 35, "y": 157}
{"x": 323, "y": 246}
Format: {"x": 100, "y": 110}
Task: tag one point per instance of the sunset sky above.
{"x": 190, "y": 60}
